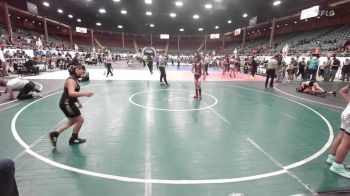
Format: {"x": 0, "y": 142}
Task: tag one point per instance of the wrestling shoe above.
{"x": 53, "y": 138}
{"x": 76, "y": 141}
{"x": 339, "y": 169}
{"x": 331, "y": 160}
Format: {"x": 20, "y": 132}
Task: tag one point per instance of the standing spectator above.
{"x": 206, "y": 64}
{"x": 313, "y": 66}
{"x": 327, "y": 69}
{"x": 345, "y": 70}
{"x": 178, "y": 61}
{"x": 3, "y": 63}
{"x": 302, "y": 67}
{"x": 254, "y": 67}
{"x": 334, "y": 68}
{"x": 108, "y": 62}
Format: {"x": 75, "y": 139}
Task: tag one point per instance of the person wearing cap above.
{"x": 25, "y": 87}
{"x": 67, "y": 104}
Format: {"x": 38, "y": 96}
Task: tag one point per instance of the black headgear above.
{"x": 71, "y": 69}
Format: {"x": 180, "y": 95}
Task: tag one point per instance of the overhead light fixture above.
{"x": 148, "y": 13}
{"x": 102, "y": 11}
{"x": 195, "y": 16}
{"x": 216, "y": 27}
{"x": 151, "y": 25}
{"x": 123, "y": 12}
{"x": 200, "y": 29}
{"x": 178, "y": 3}
{"x": 60, "y": 11}
{"x": 295, "y": 22}
{"x": 116, "y": 0}
{"x": 245, "y": 15}
{"x": 70, "y": 16}
{"x": 229, "y": 21}
{"x": 181, "y": 29}
{"x": 46, "y": 4}
{"x": 276, "y": 3}
{"x": 98, "y": 24}
{"x": 208, "y": 6}
{"x": 148, "y": 1}
{"x": 173, "y": 15}
{"x": 58, "y": 27}
{"x": 79, "y": 20}
{"x": 18, "y": 17}
{"x": 120, "y": 26}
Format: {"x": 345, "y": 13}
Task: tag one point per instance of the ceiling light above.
{"x": 120, "y": 26}
{"x": 275, "y": 3}
{"x": 148, "y": 13}
{"x": 208, "y": 6}
{"x": 116, "y": 0}
{"x": 79, "y": 20}
{"x": 123, "y": 12}
{"x": 102, "y": 11}
{"x": 148, "y": 1}
{"x": 46, "y": 4}
{"x": 245, "y": 15}
{"x": 181, "y": 29}
{"x": 295, "y": 22}
{"x": 286, "y": 24}
{"x": 195, "y": 16}
{"x": 216, "y": 27}
{"x": 200, "y": 29}
{"x": 70, "y": 16}
{"x": 151, "y": 25}
{"x": 98, "y": 24}
{"x": 58, "y": 27}
{"x": 18, "y": 17}
{"x": 178, "y": 3}
{"x": 229, "y": 21}
{"x": 173, "y": 15}
{"x": 60, "y": 11}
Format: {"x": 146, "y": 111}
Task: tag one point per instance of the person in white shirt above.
{"x": 271, "y": 70}
{"x": 3, "y": 62}
{"x": 341, "y": 146}
{"x": 25, "y": 87}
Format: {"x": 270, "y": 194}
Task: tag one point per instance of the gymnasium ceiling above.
{"x": 136, "y": 20}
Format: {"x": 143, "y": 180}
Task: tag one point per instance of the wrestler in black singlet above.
{"x": 67, "y": 103}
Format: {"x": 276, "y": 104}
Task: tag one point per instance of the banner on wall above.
{"x": 32, "y": 8}
{"x": 237, "y": 32}
{"x": 253, "y": 21}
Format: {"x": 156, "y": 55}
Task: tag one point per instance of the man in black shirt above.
{"x": 334, "y": 68}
